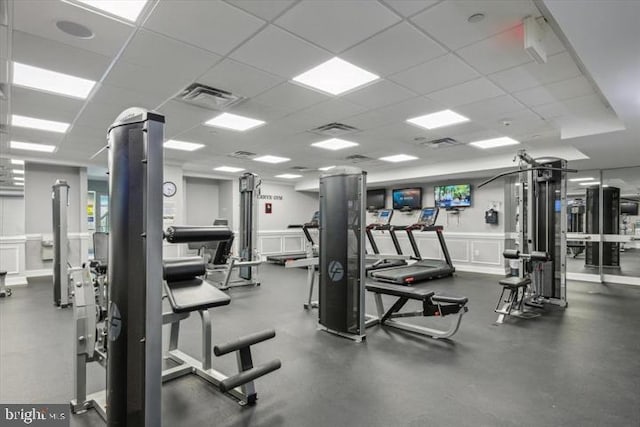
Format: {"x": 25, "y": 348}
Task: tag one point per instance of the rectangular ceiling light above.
{"x": 51, "y": 81}
{"x": 271, "y": 159}
{"x": 182, "y": 145}
{"x": 398, "y": 158}
{"x": 40, "y": 124}
{"x": 18, "y": 171}
{"x": 438, "y": 120}
{"x": 494, "y": 142}
{"x": 334, "y": 144}
{"x": 228, "y": 169}
{"x": 335, "y": 76}
{"x": 581, "y": 179}
{"x": 590, "y": 183}
{"x": 18, "y": 178}
{"x": 17, "y": 162}
{"x": 30, "y": 146}
{"x": 125, "y": 9}
{"x": 326, "y": 168}
{"x": 234, "y": 122}
{"x": 289, "y": 176}
{"x": 20, "y": 183}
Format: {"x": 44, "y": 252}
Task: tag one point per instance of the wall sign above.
{"x": 270, "y": 197}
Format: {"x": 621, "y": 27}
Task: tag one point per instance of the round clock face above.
{"x": 169, "y": 189}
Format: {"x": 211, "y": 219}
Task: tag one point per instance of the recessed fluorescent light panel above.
{"x": 590, "y": 183}
{"x": 29, "y": 146}
{"x": 398, "y": 158}
{"x": 335, "y": 76}
{"x": 40, "y": 124}
{"x": 17, "y": 162}
{"x": 334, "y": 144}
{"x": 19, "y": 183}
{"x": 234, "y": 122}
{"x": 18, "y": 178}
{"x": 581, "y": 179}
{"x": 230, "y": 169}
{"x": 271, "y": 159}
{"x": 438, "y": 120}
{"x": 51, "y": 81}
{"x": 326, "y": 168}
{"x": 182, "y": 145}
{"x": 125, "y": 9}
{"x": 289, "y": 176}
{"x": 18, "y": 171}
{"x": 494, "y": 142}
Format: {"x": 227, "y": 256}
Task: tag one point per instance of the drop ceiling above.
{"x": 428, "y": 56}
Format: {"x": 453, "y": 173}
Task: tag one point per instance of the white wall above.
{"x": 11, "y": 215}
{"x": 202, "y": 197}
{"x": 288, "y": 206}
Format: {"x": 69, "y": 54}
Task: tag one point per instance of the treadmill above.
{"x": 383, "y": 223}
{"x": 283, "y": 258}
{"x": 425, "y": 269}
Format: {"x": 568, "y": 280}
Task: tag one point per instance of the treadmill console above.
{"x": 384, "y": 216}
{"x": 428, "y": 217}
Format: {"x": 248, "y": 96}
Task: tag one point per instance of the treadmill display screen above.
{"x": 428, "y": 216}
{"x": 384, "y": 216}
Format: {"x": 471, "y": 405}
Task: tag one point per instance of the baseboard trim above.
{"x": 39, "y": 273}
{"x": 499, "y": 271}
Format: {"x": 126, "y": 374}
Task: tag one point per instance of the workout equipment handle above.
{"x": 249, "y": 375}
{"x": 242, "y": 342}
{"x": 186, "y": 269}
{"x": 533, "y": 256}
{"x": 190, "y": 234}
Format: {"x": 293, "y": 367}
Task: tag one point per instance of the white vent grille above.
{"x": 436, "y": 144}
{"x": 358, "y": 158}
{"x": 334, "y": 130}
{"x": 209, "y": 97}
{"x": 301, "y": 168}
{"x": 242, "y": 154}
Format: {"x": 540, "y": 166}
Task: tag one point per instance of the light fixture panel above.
{"x": 494, "y": 142}
{"x": 234, "y": 122}
{"x": 335, "y": 76}
{"x": 51, "y": 81}
{"x": 326, "y": 168}
{"x": 125, "y": 9}
{"x": 30, "y": 146}
{"x": 581, "y": 179}
{"x": 182, "y": 145}
{"x": 398, "y": 158}
{"x": 438, "y": 119}
{"x": 289, "y": 176}
{"x": 17, "y": 162}
{"x": 271, "y": 159}
{"x": 230, "y": 169}
{"x": 334, "y": 144}
{"x": 39, "y": 124}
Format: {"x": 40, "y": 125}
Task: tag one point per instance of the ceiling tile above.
{"x": 394, "y": 113}
{"x": 266, "y": 10}
{"x": 252, "y": 108}
{"x": 52, "y": 55}
{"x": 211, "y": 25}
{"x": 436, "y": 74}
{"x": 330, "y": 111}
{"x": 499, "y": 52}
{"x": 44, "y": 105}
{"x": 109, "y": 34}
{"x": 125, "y": 98}
{"x": 378, "y": 95}
{"x": 565, "y": 89}
{"x": 447, "y": 21}
{"x": 3, "y": 45}
{"x": 340, "y": 26}
{"x": 519, "y": 122}
{"x": 493, "y": 108}
{"x": 558, "y": 67}
{"x": 290, "y": 97}
{"x": 409, "y": 7}
{"x": 180, "y": 117}
{"x": 393, "y": 50}
{"x": 466, "y": 93}
{"x": 278, "y": 52}
{"x": 239, "y": 78}
{"x": 24, "y": 134}
{"x": 99, "y": 116}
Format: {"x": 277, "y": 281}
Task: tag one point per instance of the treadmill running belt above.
{"x": 417, "y": 272}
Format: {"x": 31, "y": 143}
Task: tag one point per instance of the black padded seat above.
{"x": 514, "y": 282}
{"x": 417, "y": 292}
{"x": 194, "y": 295}
{"x": 449, "y": 299}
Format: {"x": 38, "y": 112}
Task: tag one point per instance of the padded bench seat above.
{"x": 194, "y": 295}
{"x": 449, "y": 299}
{"x": 420, "y": 292}
{"x": 514, "y": 282}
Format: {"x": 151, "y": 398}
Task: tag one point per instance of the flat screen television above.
{"x": 376, "y": 199}
{"x": 407, "y": 198}
{"x": 453, "y": 196}
{"x": 629, "y": 208}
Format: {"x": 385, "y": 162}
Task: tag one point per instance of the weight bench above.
{"x": 4, "y": 291}
{"x": 187, "y": 293}
{"x": 432, "y": 305}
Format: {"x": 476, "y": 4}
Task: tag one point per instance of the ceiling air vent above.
{"x": 301, "y": 168}
{"x": 334, "y": 130}
{"x": 242, "y": 154}
{"x": 208, "y": 97}
{"x": 436, "y": 143}
{"x": 358, "y": 158}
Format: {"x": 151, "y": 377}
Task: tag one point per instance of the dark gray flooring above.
{"x": 579, "y": 367}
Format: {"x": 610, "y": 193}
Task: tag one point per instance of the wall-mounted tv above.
{"x": 453, "y": 196}
{"x": 629, "y": 208}
{"x": 376, "y": 199}
{"x": 407, "y": 198}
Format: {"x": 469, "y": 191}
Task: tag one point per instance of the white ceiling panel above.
{"x": 211, "y": 25}
{"x": 519, "y": 122}
{"x": 554, "y": 92}
{"x": 499, "y": 52}
{"x": 340, "y": 26}
{"x": 92, "y": 135}
{"x": 39, "y": 18}
{"x": 24, "y": 134}
{"x": 393, "y": 50}
{"x": 55, "y": 56}
{"x": 409, "y": 7}
{"x": 239, "y": 78}
{"x": 278, "y": 52}
{"x": 380, "y": 94}
{"x": 448, "y": 23}
{"x": 256, "y": 110}
{"x": 125, "y": 98}
{"x": 266, "y": 10}
{"x": 493, "y": 108}
{"x": 4, "y": 71}
{"x": 290, "y": 97}
{"x": 558, "y": 67}
{"x": 44, "y": 105}
{"x": 320, "y": 114}
{"x": 466, "y": 93}
{"x": 3, "y": 45}
{"x": 180, "y": 117}
{"x": 455, "y": 131}
{"x": 439, "y": 73}
{"x": 99, "y": 116}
